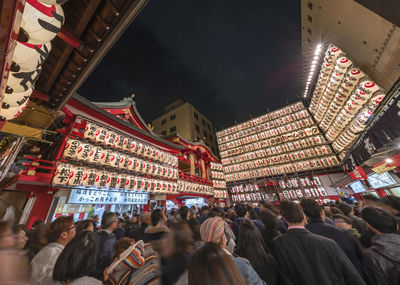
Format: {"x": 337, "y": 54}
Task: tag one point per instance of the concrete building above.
{"x": 183, "y": 119}
{"x": 370, "y": 40}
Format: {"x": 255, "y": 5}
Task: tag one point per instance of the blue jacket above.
{"x": 248, "y": 273}
{"x": 106, "y": 242}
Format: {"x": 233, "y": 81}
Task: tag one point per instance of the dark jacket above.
{"x": 119, "y": 233}
{"x": 202, "y": 218}
{"x": 138, "y": 233}
{"x": 282, "y": 225}
{"x": 268, "y": 237}
{"x": 346, "y": 241}
{"x": 381, "y": 258}
{"x": 309, "y": 259}
{"x": 106, "y": 242}
{"x": 269, "y": 272}
{"x": 173, "y": 268}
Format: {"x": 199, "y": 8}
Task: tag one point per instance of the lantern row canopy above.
{"x": 280, "y": 142}
{"x": 217, "y": 175}
{"x": 344, "y": 100}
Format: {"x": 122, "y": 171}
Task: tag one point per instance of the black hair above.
{"x": 291, "y": 212}
{"x": 107, "y": 219}
{"x": 78, "y": 259}
{"x": 391, "y": 201}
{"x": 344, "y": 218}
{"x": 204, "y": 208}
{"x": 183, "y": 212}
{"x": 156, "y": 216}
{"x": 345, "y": 208}
{"x": 269, "y": 220}
{"x": 311, "y": 208}
{"x": 251, "y": 244}
{"x": 241, "y": 210}
{"x": 83, "y": 225}
{"x": 380, "y": 219}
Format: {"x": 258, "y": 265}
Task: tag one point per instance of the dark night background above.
{"x": 229, "y": 58}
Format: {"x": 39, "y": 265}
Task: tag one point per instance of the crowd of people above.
{"x": 299, "y": 242}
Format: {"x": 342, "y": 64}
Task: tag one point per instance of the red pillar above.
{"x": 40, "y": 208}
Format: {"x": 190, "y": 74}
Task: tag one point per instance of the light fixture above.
{"x": 389, "y": 160}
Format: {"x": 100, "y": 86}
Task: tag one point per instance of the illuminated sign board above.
{"x": 85, "y": 196}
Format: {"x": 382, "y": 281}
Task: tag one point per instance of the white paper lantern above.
{"x": 119, "y": 141}
{"x": 76, "y": 176}
{"x": 16, "y": 100}
{"x": 101, "y": 179}
{"x": 110, "y": 138}
{"x": 71, "y": 148}
{"x": 54, "y": 2}
{"x": 96, "y": 155}
{"x": 84, "y": 151}
{"x": 101, "y": 135}
{"x": 62, "y": 174}
{"x": 28, "y": 57}
{"x": 112, "y": 180}
{"x": 122, "y": 182}
{"x": 89, "y": 177}
{"x": 22, "y": 81}
{"x": 41, "y": 21}
{"x": 90, "y": 131}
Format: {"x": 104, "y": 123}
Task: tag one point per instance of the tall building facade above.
{"x": 369, "y": 38}
{"x": 183, "y": 119}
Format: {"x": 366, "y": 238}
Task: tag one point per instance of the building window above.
{"x": 309, "y": 31}
{"x": 163, "y": 122}
{"x": 172, "y": 117}
{"x": 309, "y": 18}
{"x": 205, "y": 134}
{"x": 204, "y": 122}
{"x": 209, "y": 127}
{"x": 172, "y": 129}
{"x": 195, "y": 115}
{"x": 309, "y": 5}
{"x": 164, "y": 132}
{"x": 197, "y": 127}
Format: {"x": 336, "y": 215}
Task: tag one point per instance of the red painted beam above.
{"x": 70, "y": 39}
{"x": 39, "y": 95}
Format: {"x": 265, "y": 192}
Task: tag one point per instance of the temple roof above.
{"x": 144, "y": 132}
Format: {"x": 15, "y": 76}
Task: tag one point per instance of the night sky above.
{"x": 229, "y": 58}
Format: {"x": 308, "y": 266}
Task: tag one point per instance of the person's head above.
{"x": 311, "y": 208}
{"x": 145, "y": 218}
{"x": 194, "y": 225}
{"x": 269, "y": 220}
{"x": 391, "y": 203}
{"x": 85, "y": 225}
{"x": 19, "y": 232}
{"x": 379, "y": 221}
{"x": 250, "y": 244}
{"x": 122, "y": 245}
{"x": 335, "y": 210}
{"x": 135, "y": 219}
{"x": 204, "y": 210}
{"x": 78, "y": 258}
{"x": 252, "y": 213}
{"x": 61, "y": 230}
{"x": 211, "y": 265}
{"x": 37, "y": 223}
{"x": 241, "y": 211}
{"x": 109, "y": 221}
{"x": 95, "y": 218}
{"x": 292, "y": 213}
{"x": 178, "y": 242}
{"x": 6, "y": 236}
{"x": 124, "y": 215}
{"x": 121, "y": 222}
{"x": 342, "y": 221}
{"x": 184, "y": 212}
{"x": 213, "y": 229}
{"x": 370, "y": 200}
{"x": 156, "y": 216}
{"x": 346, "y": 209}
